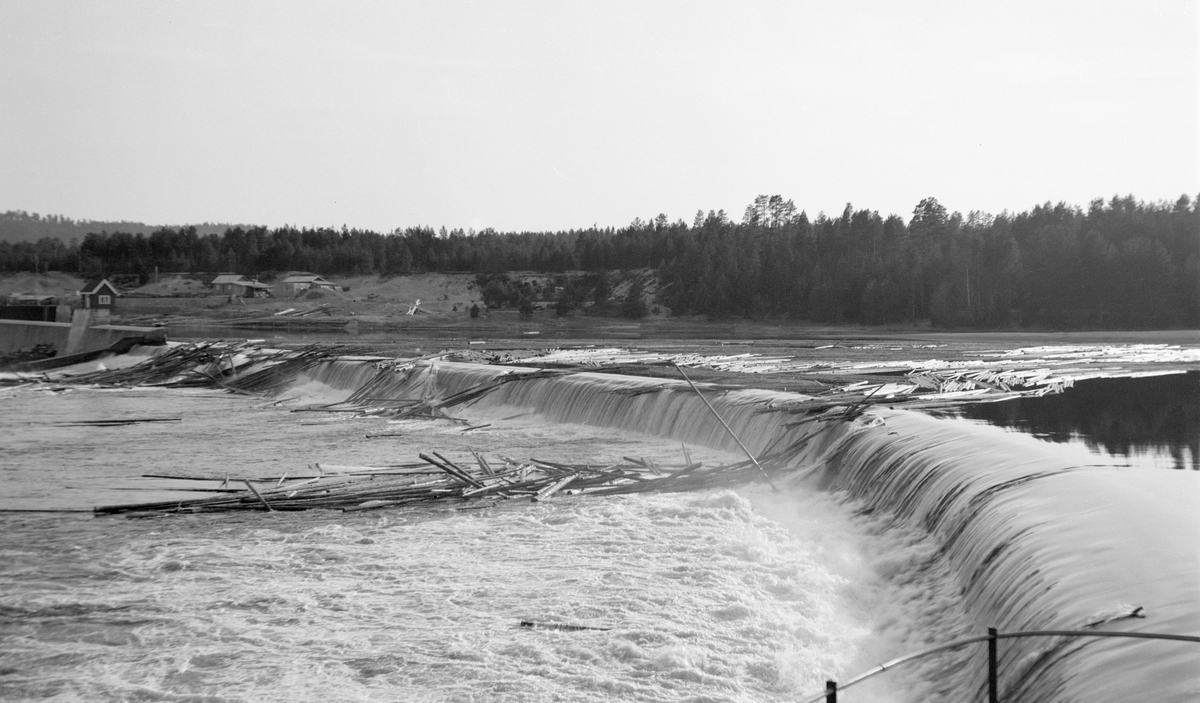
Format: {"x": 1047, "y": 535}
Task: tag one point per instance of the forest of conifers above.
{"x": 1119, "y": 264}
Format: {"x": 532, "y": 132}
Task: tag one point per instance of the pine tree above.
{"x": 634, "y": 306}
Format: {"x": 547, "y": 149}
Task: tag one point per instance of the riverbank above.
{"x": 367, "y": 306}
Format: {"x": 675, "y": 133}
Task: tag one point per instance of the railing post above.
{"x": 831, "y": 692}
{"x": 993, "y": 675}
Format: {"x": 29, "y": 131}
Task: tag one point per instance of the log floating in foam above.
{"x": 553, "y": 488}
{"x": 566, "y": 627}
{"x": 447, "y": 480}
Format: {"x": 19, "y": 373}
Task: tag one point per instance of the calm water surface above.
{"x": 1150, "y": 421}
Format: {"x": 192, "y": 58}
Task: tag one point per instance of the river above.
{"x": 897, "y": 534}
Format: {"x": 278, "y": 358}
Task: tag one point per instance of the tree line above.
{"x": 1120, "y": 263}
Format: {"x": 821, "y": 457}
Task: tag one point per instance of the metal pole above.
{"x": 888, "y": 666}
{"x": 993, "y": 677}
{"x": 831, "y": 692}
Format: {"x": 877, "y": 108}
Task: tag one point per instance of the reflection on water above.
{"x": 1155, "y": 419}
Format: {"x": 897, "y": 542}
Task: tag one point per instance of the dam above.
{"x": 1033, "y": 540}
{"x": 82, "y": 335}
{"x": 892, "y": 533}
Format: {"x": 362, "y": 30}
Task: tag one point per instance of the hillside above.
{"x": 1118, "y": 264}
{"x": 444, "y": 297}
{"x": 63, "y": 285}
{"x": 21, "y": 226}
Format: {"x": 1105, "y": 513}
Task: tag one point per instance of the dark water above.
{"x": 1151, "y": 420}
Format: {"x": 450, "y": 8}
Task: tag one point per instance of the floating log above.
{"x": 537, "y": 479}
{"x": 453, "y": 471}
{"x": 483, "y": 464}
{"x": 259, "y": 496}
{"x": 553, "y": 488}
{"x": 114, "y": 422}
{"x": 560, "y": 626}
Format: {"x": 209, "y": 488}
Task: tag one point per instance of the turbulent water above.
{"x": 894, "y": 534}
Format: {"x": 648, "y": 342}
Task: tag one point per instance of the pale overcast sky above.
{"x": 553, "y": 115}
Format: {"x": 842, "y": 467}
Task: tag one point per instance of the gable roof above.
{"x": 306, "y": 278}
{"x": 30, "y": 298}
{"x": 228, "y": 278}
{"x": 93, "y": 286}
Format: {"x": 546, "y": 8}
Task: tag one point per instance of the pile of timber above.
{"x": 293, "y": 312}
{"x": 249, "y": 370}
{"x": 372, "y": 398}
{"x": 282, "y": 368}
{"x": 179, "y": 366}
{"x": 237, "y": 367}
{"x": 917, "y": 384}
{"x": 927, "y": 385}
{"x": 445, "y": 481}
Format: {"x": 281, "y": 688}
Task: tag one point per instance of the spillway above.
{"x": 1032, "y": 537}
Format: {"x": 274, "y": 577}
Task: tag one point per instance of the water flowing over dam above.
{"x": 1034, "y": 537}
{"x": 890, "y": 532}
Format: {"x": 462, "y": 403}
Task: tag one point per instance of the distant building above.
{"x": 293, "y": 285}
{"x": 239, "y": 285}
{"x": 30, "y": 299}
{"x": 99, "y": 294}
{"x": 226, "y": 283}
{"x": 32, "y": 306}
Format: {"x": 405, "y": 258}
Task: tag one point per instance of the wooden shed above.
{"x": 298, "y": 283}
{"x": 229, "y": 283}
{"x": 239, "y": 285}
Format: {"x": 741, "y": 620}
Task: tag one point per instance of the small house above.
{"x": 228, "y": 283}
{"x": 240, "y": 286}
{"x": 99, "y": 294}
{"x": 293, "y": 285}
{"x": 254, "y": 289}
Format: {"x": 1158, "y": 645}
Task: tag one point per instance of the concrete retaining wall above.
{"x": 24, "y": 334}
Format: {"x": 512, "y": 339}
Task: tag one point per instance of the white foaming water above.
{"x": 706, "y": 601}
{"x": 1031, "y": 536}
{"x": 710, "y": 596}
{"x": 927, "y": 531}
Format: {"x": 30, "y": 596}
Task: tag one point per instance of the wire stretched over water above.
{"x": 889, "y": 665}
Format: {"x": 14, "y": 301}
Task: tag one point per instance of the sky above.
{"x": 556, "y": 115}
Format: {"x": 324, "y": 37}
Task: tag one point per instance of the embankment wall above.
{"x": 25, "y": 334}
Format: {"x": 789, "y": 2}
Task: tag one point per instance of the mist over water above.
{"x": 710, "y": 596}
{"x": 894, "y": 534}
{"x": 705, "y": 599}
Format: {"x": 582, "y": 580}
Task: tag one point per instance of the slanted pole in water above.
{"x": 259, "y": 496}
{"x": 993, "y": 674}
{"x": 726, "y": 426}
